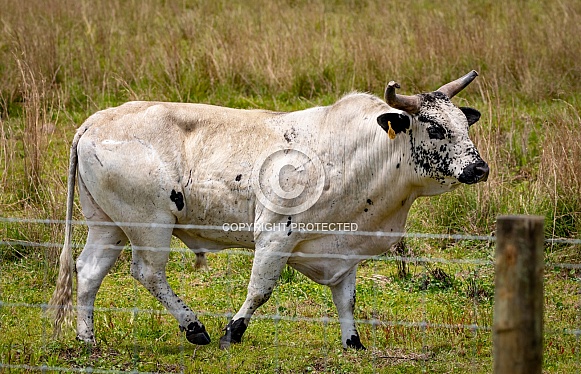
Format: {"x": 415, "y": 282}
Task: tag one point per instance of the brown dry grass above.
{"x": 61, "y": 62}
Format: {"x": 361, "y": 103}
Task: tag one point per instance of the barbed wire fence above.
{"x": 422, "y": 326}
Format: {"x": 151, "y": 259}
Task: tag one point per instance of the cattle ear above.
{"x": 398, "y": 122}
{"x": 472, "y": 115}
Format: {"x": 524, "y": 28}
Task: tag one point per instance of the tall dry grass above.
{"x": 558, "y": 176}
{"x": 196, "y": 49}
{"x": 36, "y": 126}
{"x": 61, "y": 61}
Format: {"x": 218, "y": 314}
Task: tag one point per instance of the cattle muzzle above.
{"x": 474, "y": 173}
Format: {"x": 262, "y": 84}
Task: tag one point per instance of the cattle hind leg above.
{"x": 150, "y": 256}
{"x": 103, "y": 246}
{"x": 344, "y": 299}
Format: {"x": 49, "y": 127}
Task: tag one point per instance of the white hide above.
{"x": 193, "y": 164}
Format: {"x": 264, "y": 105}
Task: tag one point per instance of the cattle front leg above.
{"x": 148, "y": 267}
{"x": 344, "y": 299}
{"x": 104, "y": 244}
{"x": 266, "y": 270}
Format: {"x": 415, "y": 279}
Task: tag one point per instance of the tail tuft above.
{"x": 60, "y": 306}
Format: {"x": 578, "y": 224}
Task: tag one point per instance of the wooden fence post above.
{"x": 517, "y": 330}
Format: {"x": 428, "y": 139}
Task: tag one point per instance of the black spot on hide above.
{"x": 178, "y": 199}
{"x": 433, "y": 97}
{"x": 238, "y": 177}
{"x": 290, "y": 135}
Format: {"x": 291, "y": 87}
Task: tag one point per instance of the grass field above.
{"x": 59, "y": 63}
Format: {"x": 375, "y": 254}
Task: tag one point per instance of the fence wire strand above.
{"x": 374, "y": 322}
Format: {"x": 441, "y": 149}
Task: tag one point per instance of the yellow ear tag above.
{"x": 390, "y": 132}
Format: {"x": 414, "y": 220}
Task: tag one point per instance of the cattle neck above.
{"x": 392, "y": 165}
{"x": 377, "y": 168}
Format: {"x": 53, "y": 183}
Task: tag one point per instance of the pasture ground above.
{"x": 435, "y": 319}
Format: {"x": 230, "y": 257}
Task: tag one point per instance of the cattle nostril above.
{"x": 481, "y": 172}
{"x": 474, "y": 173}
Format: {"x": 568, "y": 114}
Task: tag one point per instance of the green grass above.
{"x": 296, "y": 331}
{"x": 59, "y": 63}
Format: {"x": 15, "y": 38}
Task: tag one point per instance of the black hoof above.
{"x": 355, "y": 343}
{"x": 197, "y": 334}
{"x": 234, "y": 331}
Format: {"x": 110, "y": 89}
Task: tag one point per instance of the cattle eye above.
{"x": 436, "y": 132}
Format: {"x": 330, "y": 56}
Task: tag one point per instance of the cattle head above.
{"x": 441, "y": 149}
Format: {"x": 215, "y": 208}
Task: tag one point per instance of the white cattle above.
{"x": 150, "y": 170}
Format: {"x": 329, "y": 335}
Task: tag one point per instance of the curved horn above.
{"x": 452, "y": 88}
{"x": 410, "y": 104}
